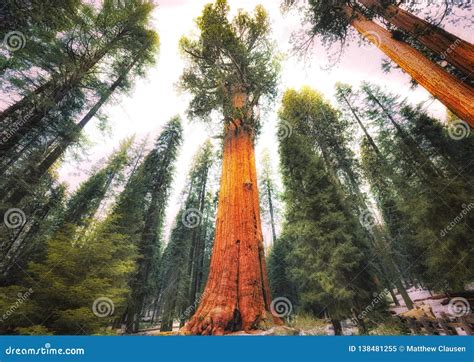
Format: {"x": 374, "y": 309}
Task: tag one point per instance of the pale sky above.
{"x": 155, "y": 99}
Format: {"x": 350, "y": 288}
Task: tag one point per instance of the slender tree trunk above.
{"x": 34, "y": 174}
{"x": 371, "y": 141}
{"x": 155, "y": 311}
{"x": 394, "y": 297}
{"x": 167, "y": 317}
{"x": 197, "y": 249}
{"x": 383, "y": 248}
{"x": 403, "y": 292}
{"x": 361, "y": 125}
{"x": 200, "y": 275}
{"x": 148, "y": 244}
{"x": 237, "y": 295}
{"x": 384, "y": 255}
{"x": 432, "y": 170}
{"x": 13, "y": 156}
{"x": 270, "y": 206}
{"x": 192, "y": 266}
{"x": 28, "y": 99}
{"x": 361, "y": 327}
{"x": 446, "y": 88}
{"x": 390, "y": 266}
{"x": 454, "y": 50}
{"x": 18, "y": 247}
{"x": 336, "y": 324}
{"x": 26, "y": 122}
{"x": 388, "y": 285}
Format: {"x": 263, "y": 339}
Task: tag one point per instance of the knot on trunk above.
{"x": 248, "y": 185}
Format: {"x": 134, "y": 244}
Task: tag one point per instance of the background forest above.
{"x": 302, "y": 167}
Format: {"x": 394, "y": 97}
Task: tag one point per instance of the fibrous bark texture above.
{"x": 450, "y": 91}
{"x": 237, "y": 295}
{"x": 454, "y": 50}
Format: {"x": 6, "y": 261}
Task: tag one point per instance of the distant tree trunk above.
{"x": 454, "y": 50}
{"x": 167, "y": 317}
{"x": 272, "y": 214}
{"x": 11, "y": 251}
{"x": 417, "y": 154}
{"x": 377, "y": 235}
{"x": 362, "y": 328}
{"x": 23, "y": 124}
{"x": 29, "y": 113}
{"x": 147, "y": 247}
{"x": 403, "y": 292}
{"x": 388, "y": 285}
{"x": 336, "y": 324}
{"x": 9, "y": 159}
{"x": 139, "y": 283}
{"x": 28, "y": 99}
{"x": 389, "y": 264}
{"x": 197, "y": 247}
{"x": 155, "y": 311}
{"x": 394, "y": 297}
{"x": 237, "y": 295}
{"x": 361, "y": 125}
{"x": 446, "y": 88}
{"x": 34, "y": 174}
{"x": 200, "y": 268}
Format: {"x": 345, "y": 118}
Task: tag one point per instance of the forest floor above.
{"x": 305, "y": 326}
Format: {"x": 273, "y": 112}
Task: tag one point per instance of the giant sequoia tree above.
{"x": 231, "y": 66}
{"x": 453, "y": 49}
{"x": 332, "y": 21}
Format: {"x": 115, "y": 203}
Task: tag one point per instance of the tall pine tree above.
{"x": 329, "y": 251}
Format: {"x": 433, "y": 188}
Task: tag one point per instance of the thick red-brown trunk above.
{"x": 455, "y": 95}
{"x": 237, "y": 295}
{"x": 454, "y": 50}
